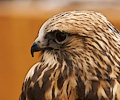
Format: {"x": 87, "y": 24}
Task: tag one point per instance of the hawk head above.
{"x": 74, "y": 33}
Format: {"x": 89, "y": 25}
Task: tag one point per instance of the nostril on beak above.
{"x": 38, "y": 41}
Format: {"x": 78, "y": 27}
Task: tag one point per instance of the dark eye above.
{"x": 60, "y": 37}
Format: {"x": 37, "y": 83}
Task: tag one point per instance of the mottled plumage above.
{"x": 81, "y": 59}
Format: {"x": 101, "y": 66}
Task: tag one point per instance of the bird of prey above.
{"x": 81, "y": 59}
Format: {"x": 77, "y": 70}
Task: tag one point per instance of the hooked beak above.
{"x": 35, "y": 48}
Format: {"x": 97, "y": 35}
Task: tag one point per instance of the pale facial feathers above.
{"x": 81, "y": 59}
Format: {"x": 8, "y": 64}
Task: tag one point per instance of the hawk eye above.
{"x": 60, "y": 37}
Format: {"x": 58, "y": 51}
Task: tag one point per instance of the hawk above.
{"x": 81, "y": 59}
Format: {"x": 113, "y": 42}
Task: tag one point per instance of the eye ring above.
{"x": 60, "y": 37}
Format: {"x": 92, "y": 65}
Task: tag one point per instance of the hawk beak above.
{"x": 35, "y": 48}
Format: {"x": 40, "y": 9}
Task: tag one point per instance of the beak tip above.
{"x": 32, "y": 53}
{"x": 34, "y": 48}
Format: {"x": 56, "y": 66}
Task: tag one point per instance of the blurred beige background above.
{"x": 19, "y": 25}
